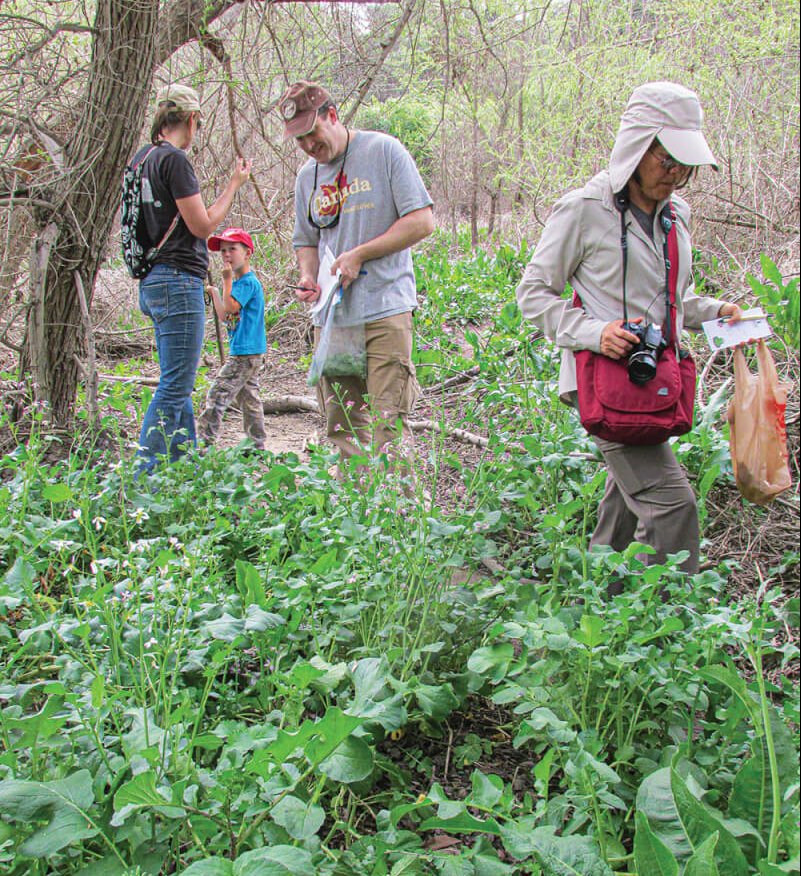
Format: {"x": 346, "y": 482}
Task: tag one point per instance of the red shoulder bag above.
{"x": 610, "y": 405}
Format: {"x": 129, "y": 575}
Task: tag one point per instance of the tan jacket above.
{"x": 580, "y": 246}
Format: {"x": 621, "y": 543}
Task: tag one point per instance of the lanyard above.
{"x": 668, "y": 222}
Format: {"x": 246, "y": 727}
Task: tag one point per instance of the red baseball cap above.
{"x": 230, "y": 235}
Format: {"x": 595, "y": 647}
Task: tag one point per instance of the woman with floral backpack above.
{"x": 172, "y": 230}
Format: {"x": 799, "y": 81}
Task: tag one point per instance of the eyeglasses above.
{"x": 337, "y": 195}
{"x": 670, "y": 165}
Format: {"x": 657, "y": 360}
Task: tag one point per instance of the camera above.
{"x": 642, "y": 358}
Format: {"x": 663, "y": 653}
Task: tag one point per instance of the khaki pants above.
{"x": 647, "y": 499}
{"x": 367, "y": 416}
{"x": 237, "y": 382}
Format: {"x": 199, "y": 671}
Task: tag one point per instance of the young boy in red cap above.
{"x": 241, "y": 305}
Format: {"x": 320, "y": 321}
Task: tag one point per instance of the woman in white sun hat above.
{"x": 617, "y": 219}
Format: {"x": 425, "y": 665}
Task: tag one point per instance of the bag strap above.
{"x": 142, "y": 160}
{"x": 671, "y": 255}
{"x": 177, "y": 216}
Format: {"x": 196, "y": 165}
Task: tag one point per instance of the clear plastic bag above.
{"x": 758, "y": 435}
{"x": 340, "y": 350}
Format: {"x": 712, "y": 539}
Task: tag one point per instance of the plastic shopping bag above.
{"x": 341, "y": 350}
{"x": 758, "y": 436}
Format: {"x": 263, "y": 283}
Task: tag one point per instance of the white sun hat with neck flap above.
{"x": 665, "y": 110}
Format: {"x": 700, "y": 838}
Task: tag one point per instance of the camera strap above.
{"x": 670, "y": 255}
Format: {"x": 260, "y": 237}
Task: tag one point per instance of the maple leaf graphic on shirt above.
{"x": 332, "y": 195}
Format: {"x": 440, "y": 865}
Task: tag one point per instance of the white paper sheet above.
{"x": 721, "y": 333}
{"x": 327, "y": 281}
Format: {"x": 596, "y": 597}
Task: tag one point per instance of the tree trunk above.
{"x": 128, "y": 39}
{"x": 72, "y": 237}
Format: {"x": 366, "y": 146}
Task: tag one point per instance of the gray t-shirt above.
{"x": 380, "y": 184}
{"x": 645, "y": 220}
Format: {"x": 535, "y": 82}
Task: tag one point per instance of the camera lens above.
{"x": 642, "y": 367}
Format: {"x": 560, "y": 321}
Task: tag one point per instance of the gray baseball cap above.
{"x": 186, "y": 99}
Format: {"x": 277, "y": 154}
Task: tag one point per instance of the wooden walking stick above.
{"x": 217, "y": 326}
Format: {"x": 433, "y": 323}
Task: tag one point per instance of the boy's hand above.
{"x": 227, "y": 272}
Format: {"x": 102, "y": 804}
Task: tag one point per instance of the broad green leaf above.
{"x": 770, "y": 271}
{"x": 374, "y": 698}
{"x": 225, "y": 628}
{"x": 56, "y": 492}
{"x": 462, "y": 823}
{"x": 737, "y": 686}
{"x": 651, "y": 855}
{"x": 670, "y": 625}
{"x": 591, "y": 631}
{"x": 257, "y": 620}
{"x": 64, "y": 804}
{"x": 492, "y": 660}
{"x": 702, "y": 862}
{"x": 699, "y": 824}
{"x": 452, "y": 866}
{"x": 110, "y": 865}
{"x": 766, "y": 869}
{"x": 209, "y": 867}
{"x": 325, "y": 562}
{"x": 40, "y": 725}
{"x": 655, "y": 801}
{"x": 16, "y": 584}
{"x": 487, "y": 790}
{"x": 518, "y": 837}
{"x": 274, "y": 861}
{"x": 249, "y": 584}
{"x": 568, "y": 855}
{"x": 333, "y": 728}
{"x": 140, "y": 793}
{"x": 301, "y": 820}
{"x": 351, "y": 762}
{"x": 436, "y": 701}
{"x": 750, "y": 797}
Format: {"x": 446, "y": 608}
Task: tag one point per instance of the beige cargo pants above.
{"x": 647, "y": 499}
{"x": 366, "y": 417}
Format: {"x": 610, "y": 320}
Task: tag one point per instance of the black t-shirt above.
{"x": 167, "y": 176}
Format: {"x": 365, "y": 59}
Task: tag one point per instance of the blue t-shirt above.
{"x": 246, "y": 328}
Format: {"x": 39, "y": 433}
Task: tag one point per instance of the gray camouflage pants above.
{"x": 237, "y": 381}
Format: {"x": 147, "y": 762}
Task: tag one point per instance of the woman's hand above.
{"x": 616, "y": 342}
{"x": 731, "y": 312}
{"x": 241, "y": 172}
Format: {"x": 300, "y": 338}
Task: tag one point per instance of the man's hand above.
{"x": 732, "y": 312}
{"x": 308, "y": 291}
{"x": 616, "y": 342}
{"x": 348, "y": 264}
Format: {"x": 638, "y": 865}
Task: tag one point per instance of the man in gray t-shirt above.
{"x": 360, "y": 195}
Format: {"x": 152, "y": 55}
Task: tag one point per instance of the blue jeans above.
{"x": 173, "y": 299}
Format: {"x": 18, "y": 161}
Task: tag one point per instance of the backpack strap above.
{"x": 154, "y": 250}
